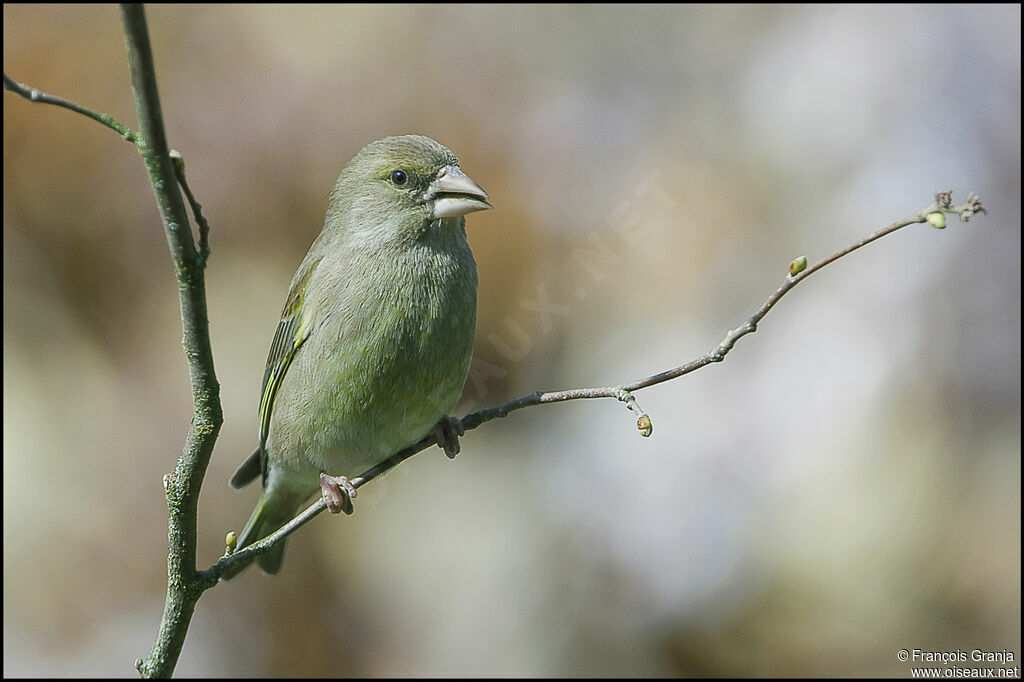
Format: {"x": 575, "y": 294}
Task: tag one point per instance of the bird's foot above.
{"x": 338, "y": 493}
{"x": 447, "y": 432}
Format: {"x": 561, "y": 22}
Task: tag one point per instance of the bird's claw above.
{"x": 446, "y": 433}
{"x": 338, "y": 492}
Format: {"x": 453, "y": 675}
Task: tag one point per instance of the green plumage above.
{"x": 376, "y": 334}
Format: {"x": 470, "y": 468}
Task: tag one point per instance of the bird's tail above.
{"x": 275, "y": 508}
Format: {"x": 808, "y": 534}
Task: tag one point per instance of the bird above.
{"x": 375, "y": 338}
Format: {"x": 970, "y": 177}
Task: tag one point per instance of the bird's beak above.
{"x": 454, "y": 194}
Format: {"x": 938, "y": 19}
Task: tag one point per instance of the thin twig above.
{"x": 197, "y": 208}
{"x": 37, "y": 95}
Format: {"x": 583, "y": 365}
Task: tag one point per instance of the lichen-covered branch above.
{"x": 184, "y": 583}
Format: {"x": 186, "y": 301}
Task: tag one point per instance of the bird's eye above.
{"x": 399, "y": 177}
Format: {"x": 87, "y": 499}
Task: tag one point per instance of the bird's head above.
{"x": 404, "y": 187}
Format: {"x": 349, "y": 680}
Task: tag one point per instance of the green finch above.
{"x": 375, "y": 338}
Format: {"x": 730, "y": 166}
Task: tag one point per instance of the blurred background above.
{"x": 845, "y": 485}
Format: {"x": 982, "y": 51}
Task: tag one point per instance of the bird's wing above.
{"x": 248, "y": 470}
{"x": 292, "y": 331}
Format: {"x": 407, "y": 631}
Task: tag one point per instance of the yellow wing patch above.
{"x": 292, "y": 331}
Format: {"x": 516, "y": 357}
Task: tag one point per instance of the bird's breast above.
{"x": 399, "y": 338}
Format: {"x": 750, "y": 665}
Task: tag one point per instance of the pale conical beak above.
{"x": 453, "y": 193}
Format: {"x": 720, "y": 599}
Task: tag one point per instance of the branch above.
{"x": 184, "y": 583}
{"x": 798, "y": 272}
